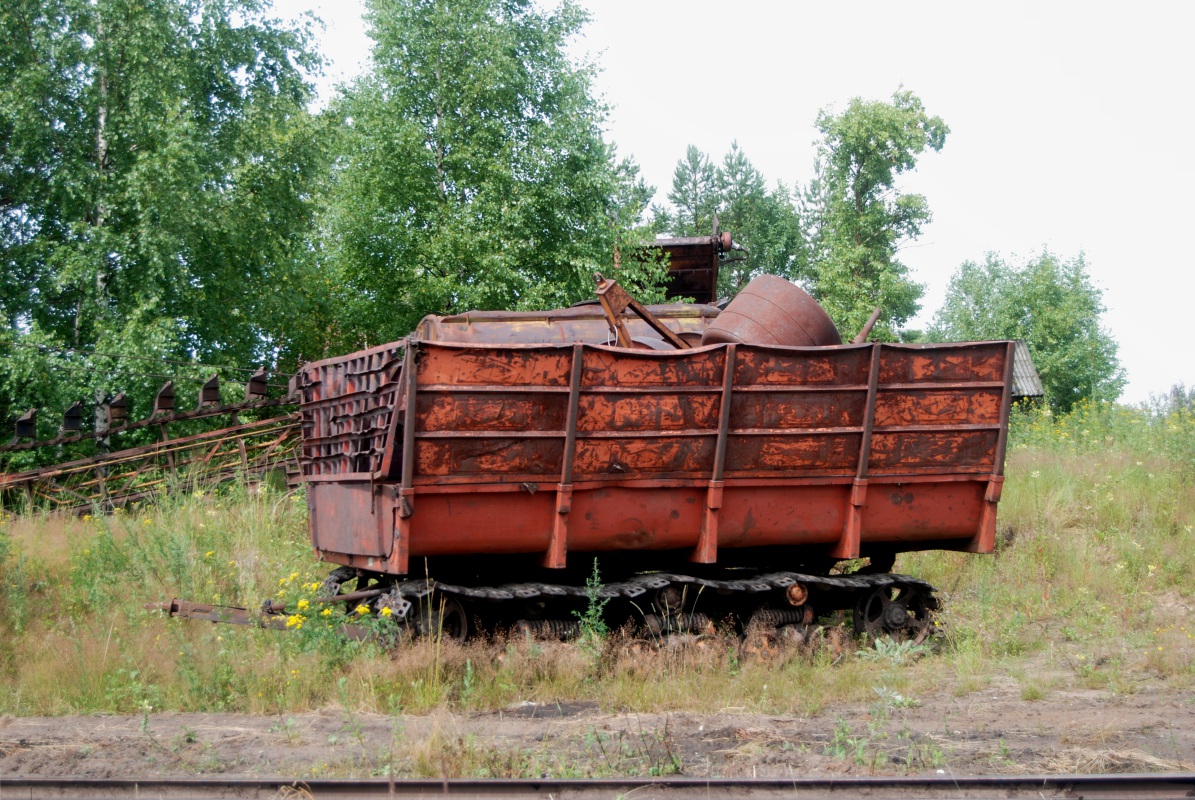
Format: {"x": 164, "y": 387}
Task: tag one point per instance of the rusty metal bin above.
{"x": 425, "y": 448}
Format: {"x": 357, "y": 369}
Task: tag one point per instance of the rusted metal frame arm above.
{"x": 274, "y": 443}
{"x": 277, "y": 606}
{"x": 153, "y": 420}
{"x": 257, "y": 448}
{"x": 40, "y": 491}
{"x": 557, "y": 555}
{"x": 105, "y": 499}
{"x": 706, "y": 551}
{"x": 127, "y": 489}
{"x": 615, "y": 301}
{"x": 400, "y": 556}
{"x": 265, "y": 458}
{"x": 984, "y": 540}
{"x": 665, "y": 332}
{"x": 66, "y": 490}
{"x": 215, "y": 449}
{"x": 169, "y": 455}
{"x": 234, "y": 615}
{"x": 123, "y": 480}
{"x": 848, "y": 543}
{"x": 614, "y": 306}
{"x": 121, "y": 456}
{"x": 243, "y": 453}
{"x": 27, "y": 491}
{"x": 81, "y": 484}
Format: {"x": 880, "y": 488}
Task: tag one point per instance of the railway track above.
{"x": 1152, "y": 786}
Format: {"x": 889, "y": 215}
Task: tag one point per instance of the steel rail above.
{"x": 1152, "y": 786}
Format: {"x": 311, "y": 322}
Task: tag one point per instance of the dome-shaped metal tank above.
{"x": 771, "y": 310}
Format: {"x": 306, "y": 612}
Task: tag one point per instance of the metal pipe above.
{"x": 861, "y": 336}
{"x": 276, "y": 606}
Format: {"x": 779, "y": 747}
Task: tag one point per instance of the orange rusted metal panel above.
{"x": 471, "y": 446}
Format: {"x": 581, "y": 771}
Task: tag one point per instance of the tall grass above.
{"x": 1091, "y": 586}
{"x": 1095, "y": 552}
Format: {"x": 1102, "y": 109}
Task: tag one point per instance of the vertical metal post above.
{"x": 244, "y": 456}
{"x": 984, "y": 540}
{"x": 169, "y": 453}
{"x": 101, "y": 420}
{"x": 852, "y": 529}
{"x": 706, "y": 551}
{"x": 557, "y": 554}
{"x": 406, "y": 490}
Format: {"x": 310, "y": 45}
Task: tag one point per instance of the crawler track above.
{"x": 1155, "y": 787}
{"x": 660, "y": 602}
{"x": 764, "y": 604}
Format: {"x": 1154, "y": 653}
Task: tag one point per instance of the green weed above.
{"x": 592, "y": 619}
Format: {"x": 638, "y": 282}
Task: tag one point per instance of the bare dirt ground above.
{"x": 986, "y": 732}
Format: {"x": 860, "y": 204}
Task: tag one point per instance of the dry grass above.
{"x": 1084, "y": 761}
{"x": 1092, "y": 583}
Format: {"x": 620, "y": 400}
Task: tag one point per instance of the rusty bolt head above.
{"x": 896, "y": 616}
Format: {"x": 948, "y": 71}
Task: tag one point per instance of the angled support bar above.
{"x": 616, "y": 302}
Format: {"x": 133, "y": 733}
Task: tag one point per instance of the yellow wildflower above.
{"x": 209, "y": 554}
{"x": 295, "y": 621}
{"x": 327, "y": 612}
{"x": 385, "y": 612}
{"x": 303, "y": 604}
{"x": 362, "y": 609}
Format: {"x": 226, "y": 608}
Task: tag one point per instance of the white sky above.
{"x": 1071, "y": 126}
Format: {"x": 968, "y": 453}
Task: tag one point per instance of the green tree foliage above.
{"x": 1053, "y": 306}
{"x": 474, "y": 174}
{"x": 763, "y": 221}
{"x": 857, "y": 218}
{"x": 694, "y": 196}
{"x": 156, "y": 169}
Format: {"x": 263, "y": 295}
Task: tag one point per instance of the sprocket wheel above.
{"x": 444, "y": 616}
{"x": 899, "y": 612}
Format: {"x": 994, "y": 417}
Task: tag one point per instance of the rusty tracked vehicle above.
{"x": 717, "y": 464}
